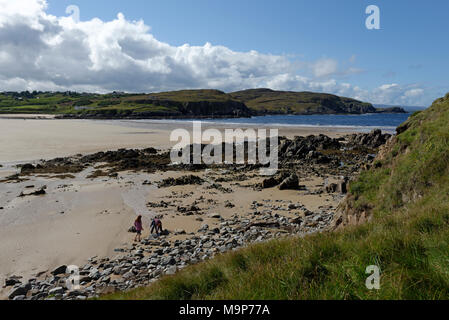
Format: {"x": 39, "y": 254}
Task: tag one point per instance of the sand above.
{"x": 80, "y": 218}
{"x": 29, "y": 139}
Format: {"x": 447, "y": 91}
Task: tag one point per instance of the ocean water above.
{"x": 365, "y": 122}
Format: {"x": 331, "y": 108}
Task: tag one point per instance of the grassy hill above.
{"x": 187, "y": 103}
{"x": 285, "y": 102}
{"x": 184, "y": 103}
{"x": 406, "y": 199}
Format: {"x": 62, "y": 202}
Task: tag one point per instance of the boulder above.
{"x": 269, "y": 183}
{"x": 19, "y": 291}
{"x": 60, "y": 270}
{"x": 290, "y": 183}
{"x": 12, "y": 281}
{"x": 171, "y": 270}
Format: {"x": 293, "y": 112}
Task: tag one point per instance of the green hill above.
{"x": 266, "y": 101}
{"x": 186, "y": 103}
{"x": 404, "y": 197}
{"x": 180, "y": 104}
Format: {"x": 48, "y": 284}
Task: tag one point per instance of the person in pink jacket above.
{"x": 139, "y": 228}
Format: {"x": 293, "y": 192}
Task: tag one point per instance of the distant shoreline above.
{"x": 25, "y": 116}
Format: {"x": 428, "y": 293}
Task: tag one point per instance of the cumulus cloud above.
{"x": 40, "y": 51}
{"x": 325, "y": 67}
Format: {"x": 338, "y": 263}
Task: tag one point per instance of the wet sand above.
{"x": 28, "y": 140}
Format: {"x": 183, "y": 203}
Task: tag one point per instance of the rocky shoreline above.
{"x": 143, "y": 263}
{"x": 140, "y": 264}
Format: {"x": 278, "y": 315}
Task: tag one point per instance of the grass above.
{"x": 407, "y": 196}
{"x": 174, "y": 103}
{"x": 265, "y": 100}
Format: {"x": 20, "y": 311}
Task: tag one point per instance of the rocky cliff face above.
{"x": 174, "y": 109}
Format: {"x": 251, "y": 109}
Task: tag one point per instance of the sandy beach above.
{"x": 30, "y": 139}
{"x": 81, "y": 217}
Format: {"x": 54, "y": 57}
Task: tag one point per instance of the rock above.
{"x": 168, "y": 261}
{"x": 60, "y": 270}
{"x": 290, "y": 183}
{"x": 332, "y": 188}
{"x": 12, "y": 281}
{"x": 171, "y": 270}
{"x": 185, "y": 180}
{"x": 229, "y": 204}
{"x": 94, "y": 274}
{"x": 180, "y": 231}
{"x": 208, "y": 245}
{"x": 371, "y": 140}
{"x": 204, "y": 227}
{"x": 214, "y": 216}
{"x": 55, "y": 291}
{"x": 270, "y": 183}
{"x": 85, "y": 279}
{"x": 19, "y": 291}
{"x": 38, "y": 192}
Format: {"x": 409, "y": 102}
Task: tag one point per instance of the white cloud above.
{"x": 325, "y": 67}
{"x": 414, "y": 93}
{"x": 43, "y": 52}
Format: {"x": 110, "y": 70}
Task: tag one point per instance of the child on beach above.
{"x": 139, "y": 228}
{"x": 156, "y": 224}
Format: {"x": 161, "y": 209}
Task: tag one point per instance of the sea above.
{"x": 359, "y": 123}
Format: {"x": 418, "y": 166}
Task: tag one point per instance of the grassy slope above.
{"x": 258, "y": 100}
{"x": 408, "y": 237}
{"x": 266, "y": 100}
{"x": 59, "y": 103}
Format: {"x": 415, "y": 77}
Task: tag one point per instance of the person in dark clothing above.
{"x": 156, "y": 225}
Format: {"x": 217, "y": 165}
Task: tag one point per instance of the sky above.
{"x": 158, "y": 45}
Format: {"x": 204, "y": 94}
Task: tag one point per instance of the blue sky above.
{"x": 410, "y": 51}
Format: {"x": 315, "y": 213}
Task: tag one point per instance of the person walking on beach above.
{"x": 156, "y": 224}
{"x": 139, "y": 228}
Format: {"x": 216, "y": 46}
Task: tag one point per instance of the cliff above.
{"x": 267, "y": 101}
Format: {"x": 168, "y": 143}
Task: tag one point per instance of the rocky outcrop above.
{"x": 390, "y": 110}
{"x": 181, "y": 181}
{"x": 300, "y": 147}
{"x": 372, "y": 140}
